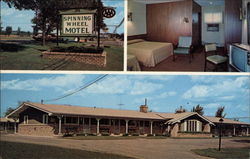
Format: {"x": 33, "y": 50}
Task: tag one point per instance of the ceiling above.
{"x": 210, "y": 2}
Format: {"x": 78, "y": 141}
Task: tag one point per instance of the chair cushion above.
{"x": 210, "y": 47}
{"x": 181, "y": 50}
{"x": 185, "y": 41}
{"x": 217, "y": 59}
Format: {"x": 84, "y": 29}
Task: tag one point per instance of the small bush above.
{"x": 125, "y": 135}
{"x": 105, "y": 134}
{"x": 135, "y": 134}
{"x": 150, "y": 135}
{"x": 92, "y": 134}
{"x": 76, "y": 49}
{"x": 83, "y": 134}
{"x": 67, "y": 135}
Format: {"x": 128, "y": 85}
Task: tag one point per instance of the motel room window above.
{"x": 45, "y": 119}
{"x": 71, "y": 120}
{"x": 213, "y": 18}
{"x": 193, "y": 126}
{"x": 26, "y": 119}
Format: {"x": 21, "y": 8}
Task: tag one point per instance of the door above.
{"x": 248, "y": 22}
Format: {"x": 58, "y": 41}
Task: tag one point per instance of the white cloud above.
{"x": 111, "y": 85}
{"x": 8, "y": 11}
{"x": 221, "y": 90}
{"x": 62, "y": 82}
{"x": 204, "y": 79}
{"x": 134, "y": 85}
{"x": 166, "y": 94}
{"x": 198, "y": 91}
{"x": 144, "y": 88}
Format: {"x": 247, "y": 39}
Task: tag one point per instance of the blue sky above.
{"x": 164, "y": 92}
{"x": 16, "y": 18}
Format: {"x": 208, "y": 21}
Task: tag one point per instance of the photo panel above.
{"x": 188, "y": 36}
{"x": 62, "y": 35}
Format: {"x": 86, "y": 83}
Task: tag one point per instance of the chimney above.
{"x": 144, "y": 108}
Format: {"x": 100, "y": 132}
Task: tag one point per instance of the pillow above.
{"x": 135, "y": 41}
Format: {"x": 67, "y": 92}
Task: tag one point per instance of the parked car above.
{"x": 49, "y": 37}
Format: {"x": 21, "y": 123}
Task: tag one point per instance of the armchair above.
{"x": 184, "y": 47}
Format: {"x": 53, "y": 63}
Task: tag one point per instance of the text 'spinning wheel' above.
{"x": 108, "y": 12}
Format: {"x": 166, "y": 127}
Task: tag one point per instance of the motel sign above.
{"x": 79, "y": 22}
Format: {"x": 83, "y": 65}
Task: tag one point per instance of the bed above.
{"x": 149, "y": 53}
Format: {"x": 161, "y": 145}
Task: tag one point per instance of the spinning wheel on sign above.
{"x": 108, "y": 12}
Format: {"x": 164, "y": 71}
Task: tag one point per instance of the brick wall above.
{"x": 193, "y": 135}
{"x": 36, "y": 129}
{"x": 174, "y": 131}
{"x": 87, "y": 58}
{"x": 207, "y": 128}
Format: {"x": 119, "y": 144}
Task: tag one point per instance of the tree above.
{"x": 47, "y": 11}
{"x": 18, "y": 31}
{"x": 198, "y": 109}
{"x": 8, "y": 30}
{"x": 8, "y": 111}
{"x": 220, "y": 112}
{"x": 180, "y": 110}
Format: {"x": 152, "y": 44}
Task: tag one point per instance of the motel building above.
{"x": 50, "y": 120}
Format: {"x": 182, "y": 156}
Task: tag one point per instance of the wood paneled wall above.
{"x": 140, "y": 36}
{"x": 233, "y": 24}
{"x": 165, "y": 21}
{"x": 196, "y": 28}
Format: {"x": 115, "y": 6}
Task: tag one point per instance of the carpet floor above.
{"x": 181, "y": 63}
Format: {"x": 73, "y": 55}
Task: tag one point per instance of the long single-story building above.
{"x": 49, "y": 119}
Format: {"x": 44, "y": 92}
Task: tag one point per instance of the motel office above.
{"x": 49, "y": 120}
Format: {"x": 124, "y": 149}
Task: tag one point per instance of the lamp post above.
{"x": 221, "y": 120}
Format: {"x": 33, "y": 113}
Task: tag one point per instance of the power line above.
{"x": 78, "y": 90}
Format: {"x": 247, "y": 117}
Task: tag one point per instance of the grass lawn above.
{"x": 26, "y": 55}
{"x": 13, "y": 150}
{"x": 114, "y": 137}
{"x": 225, "y": 153}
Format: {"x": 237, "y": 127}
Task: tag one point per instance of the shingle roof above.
{"x": 5, "y": 120}
{"x": 225, "y": 121}
{"x": 173, "y": 115}
{"x": 93, "y": 111}
{"x": 106, "y": 112}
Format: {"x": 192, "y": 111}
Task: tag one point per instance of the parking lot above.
{"x": 138, "y": 148}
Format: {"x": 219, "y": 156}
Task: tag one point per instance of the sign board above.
{"x": 108, "y": 12}
{"x": 77, "y": 24}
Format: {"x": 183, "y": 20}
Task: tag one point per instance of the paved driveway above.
{"x": 138, "y": 148}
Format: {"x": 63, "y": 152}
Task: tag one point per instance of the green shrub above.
{"x": 135, "y": 134}
{"x": 125, "y": 135}
{"x": 75, "y": 49}
{"x": 67, "y": 135}
{"x": 105, "y": 134}
{"x": 150, "y": 135}
{"x": 82, "y": 134}
{"x": 190, "y": 132}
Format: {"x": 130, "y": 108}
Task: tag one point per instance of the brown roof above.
{"x": 173, "y": 115}
{"x": 225, "y": 121}
{"x": 92, "y": 111}
{"x": 5, "y": 120}
{"x": 54, "y": 109}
